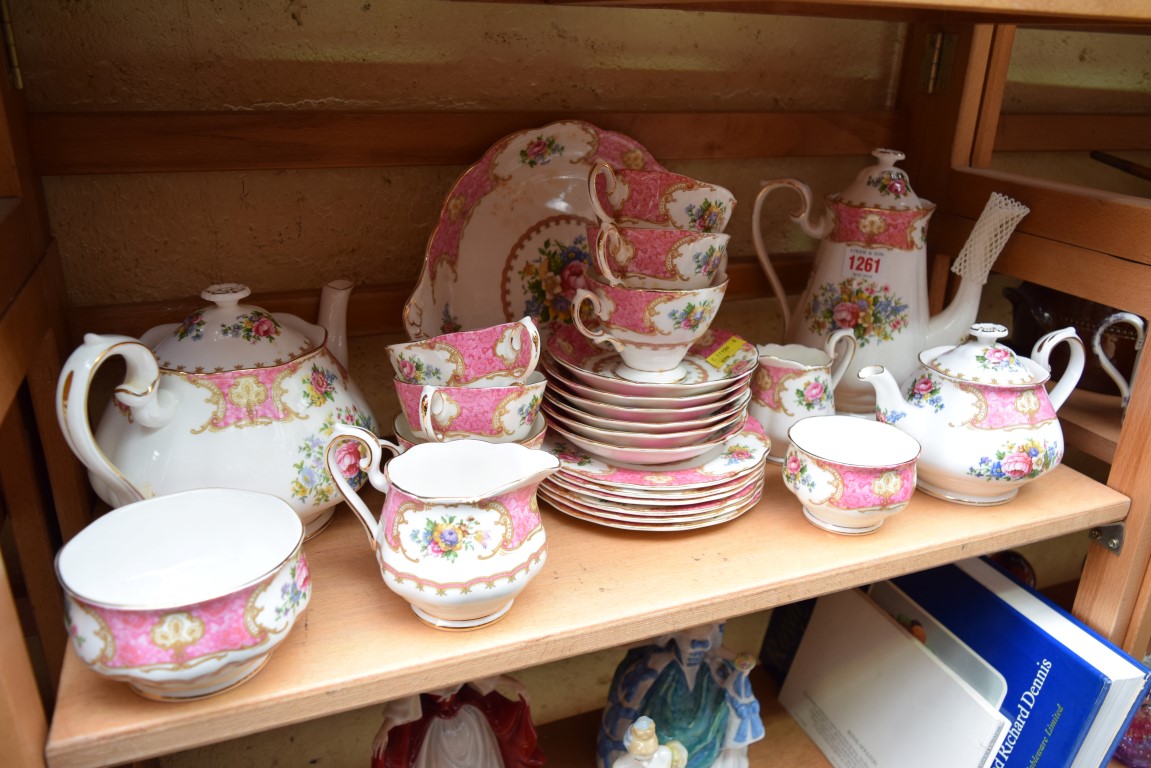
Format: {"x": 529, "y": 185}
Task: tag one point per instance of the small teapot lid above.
{"x": 982, "y": 360}
{"x": 227, "y": 335}
{"x": 882, "y": 185}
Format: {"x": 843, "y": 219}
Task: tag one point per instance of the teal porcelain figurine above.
{"x": 698, "y": 693}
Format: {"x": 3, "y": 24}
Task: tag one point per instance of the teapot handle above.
{"x": 802, "y": 215}
{"x": 344, "y": 437}
{"x": 1042, "y": 351}
{"x": 150, "y": 406}
{"x": 839, "y": 364}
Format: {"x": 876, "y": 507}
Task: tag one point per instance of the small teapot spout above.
{"x": 333, "y": 316}
{"x": 890, "y": 406}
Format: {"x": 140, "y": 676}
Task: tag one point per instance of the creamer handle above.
{"x": 140, "y": 392}
{"x": 839, "y": 363}
{"x": 371, "y": 463}
{"x": 1042, "y": 351}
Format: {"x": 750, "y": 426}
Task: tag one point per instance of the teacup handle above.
{"x": 431, "y": 404}
{"x": 608, "y": 241}
{"x": 537, "y": 345}
{"x": 1042, "y": 351}
{"x": 599, "y": 334}
{"x": 839, "y": 364}
{"x": 601, "y": 168}
{"x": 371, "y": 464}
{"x": 1105, "y": 363}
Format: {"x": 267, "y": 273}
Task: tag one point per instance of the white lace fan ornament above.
{"x": 988, "y": 237}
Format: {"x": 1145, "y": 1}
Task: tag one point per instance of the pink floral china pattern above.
{"x": 222, "y": 641}
{"x": 494, "y": 413}
{"x": 655, "y": 198}
{"x": 512, "y": 234}
{"x": 658, "y": 258}
{"x": 741, "y": 451}
{"x": 495, "y": 355}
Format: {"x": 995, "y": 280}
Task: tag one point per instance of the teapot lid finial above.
{"x": 226, "y": 294}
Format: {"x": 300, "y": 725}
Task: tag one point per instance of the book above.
{"x": 869, "y": 694}
{"x": 1070, "y": 692}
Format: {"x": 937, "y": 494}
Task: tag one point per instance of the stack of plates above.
{"x": 652, "y": 456}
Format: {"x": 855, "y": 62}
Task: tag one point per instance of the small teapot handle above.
{"x": 343, "y": 436}
{"x": 839, "y": 364}
{"x": 1042, "y": 352}
{"x": 150, "y": 406}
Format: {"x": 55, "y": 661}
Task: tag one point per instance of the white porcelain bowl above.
{"x": 186, "y": 595}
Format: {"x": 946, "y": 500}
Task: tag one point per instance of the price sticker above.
{"x": 863, "y": 262}
{"x": 717, "y": 358}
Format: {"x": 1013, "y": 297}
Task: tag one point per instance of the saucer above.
{"x": 718, "y": 359}
{"x": 638, "y": 407}
{"x": 738, "y": 453}
{"x": 649, "y": 456}
{"x": 653, "y": 526}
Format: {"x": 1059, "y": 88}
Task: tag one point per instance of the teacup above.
{"x": 793, "y": 381}
{"x": 502, "y": 414}
{"x": 658, "y": 258}
{"x": 187, "y": 594}
{"x": 658, "y": 199}
{"x": 652, "y": 330}
{"x": 494, "y": 356}
{"x": 849, "y": 473}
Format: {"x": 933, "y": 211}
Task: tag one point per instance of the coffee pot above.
{"x": 870, "y": 275}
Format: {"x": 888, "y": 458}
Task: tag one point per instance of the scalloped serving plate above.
{"x": 512, "y": 236}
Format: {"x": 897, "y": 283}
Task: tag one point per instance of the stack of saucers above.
{"x": 652, "y": 456}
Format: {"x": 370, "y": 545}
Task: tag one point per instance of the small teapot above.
{"x": 985, "y": 420}
{"x": 232, "y": 397}
{"x": 460, "y": 534}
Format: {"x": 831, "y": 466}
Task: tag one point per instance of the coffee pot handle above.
{"x": 140, "y": 392}
{"x": 1042, "y": 352}
{"x": 841, "y": 362}
{"x": 802, "y": 216}
{"x": 340, "y": 462}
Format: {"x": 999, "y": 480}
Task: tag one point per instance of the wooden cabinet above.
{"x": 601, "y": 588}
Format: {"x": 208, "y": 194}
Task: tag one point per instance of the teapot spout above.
{"x": 333, "y": 316}
{"x": 889, "y": 403}
{"x": 950, "y": 326}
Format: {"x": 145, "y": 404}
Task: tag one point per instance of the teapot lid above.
{"x": 982, "y": 360}
{"x": 882, "y": 185}
{"x": 227, "y": 335}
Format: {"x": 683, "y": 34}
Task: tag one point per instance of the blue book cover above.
{"x": 1070, "y": 692}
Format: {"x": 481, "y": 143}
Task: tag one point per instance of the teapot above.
{"x": 983, "y": 415}
{"x": 232, "y": 397}
{"x": 460, "y": 534}
{"x": 870, "y": 275}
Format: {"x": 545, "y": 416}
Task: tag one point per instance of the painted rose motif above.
{"x": 1018, "y": 461}
{"x": 795, "y": 472}
{"x": 736, "y": 453}
{"x": 706, "y": 216}
{"x": 320, "y": 386}
{"x": 192, "y": 327}
{"x": 348, "y": 458}
{"x": 707, "y": 262}
{"x": 540, "y": 151}
{"x": 447, "y": 537}
{"x": 527, "y": 411}
{"x": 256, "y": 326}
{"x": 925, "y": 393}
{"x": 867, "y": 307}
{"x": 449, "y": 323}
{"x": 313, "y": 480}
{"x": 692, "y": 316}
{"x": 890, "y": 183}
{"x": 294, "y": 594}
{"x": 815, "y": 395}
{"x": 996, "y": 358}
{"x": 551, "y": 281}
{"x": 414, "y": 370}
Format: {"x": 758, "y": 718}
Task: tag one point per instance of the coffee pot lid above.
{"x": 983, "y": 360}
{"x": 882, "y": 185}
{"x": 227, "y": 335}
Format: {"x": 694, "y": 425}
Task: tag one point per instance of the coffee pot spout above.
{"x": 949, "y": 327}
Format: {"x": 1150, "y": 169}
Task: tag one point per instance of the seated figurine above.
{"x": 645, "y": 751}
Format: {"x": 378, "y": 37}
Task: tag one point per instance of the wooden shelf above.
{"x": 1091, "y": 423}
{"x": 359, "y": 644}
